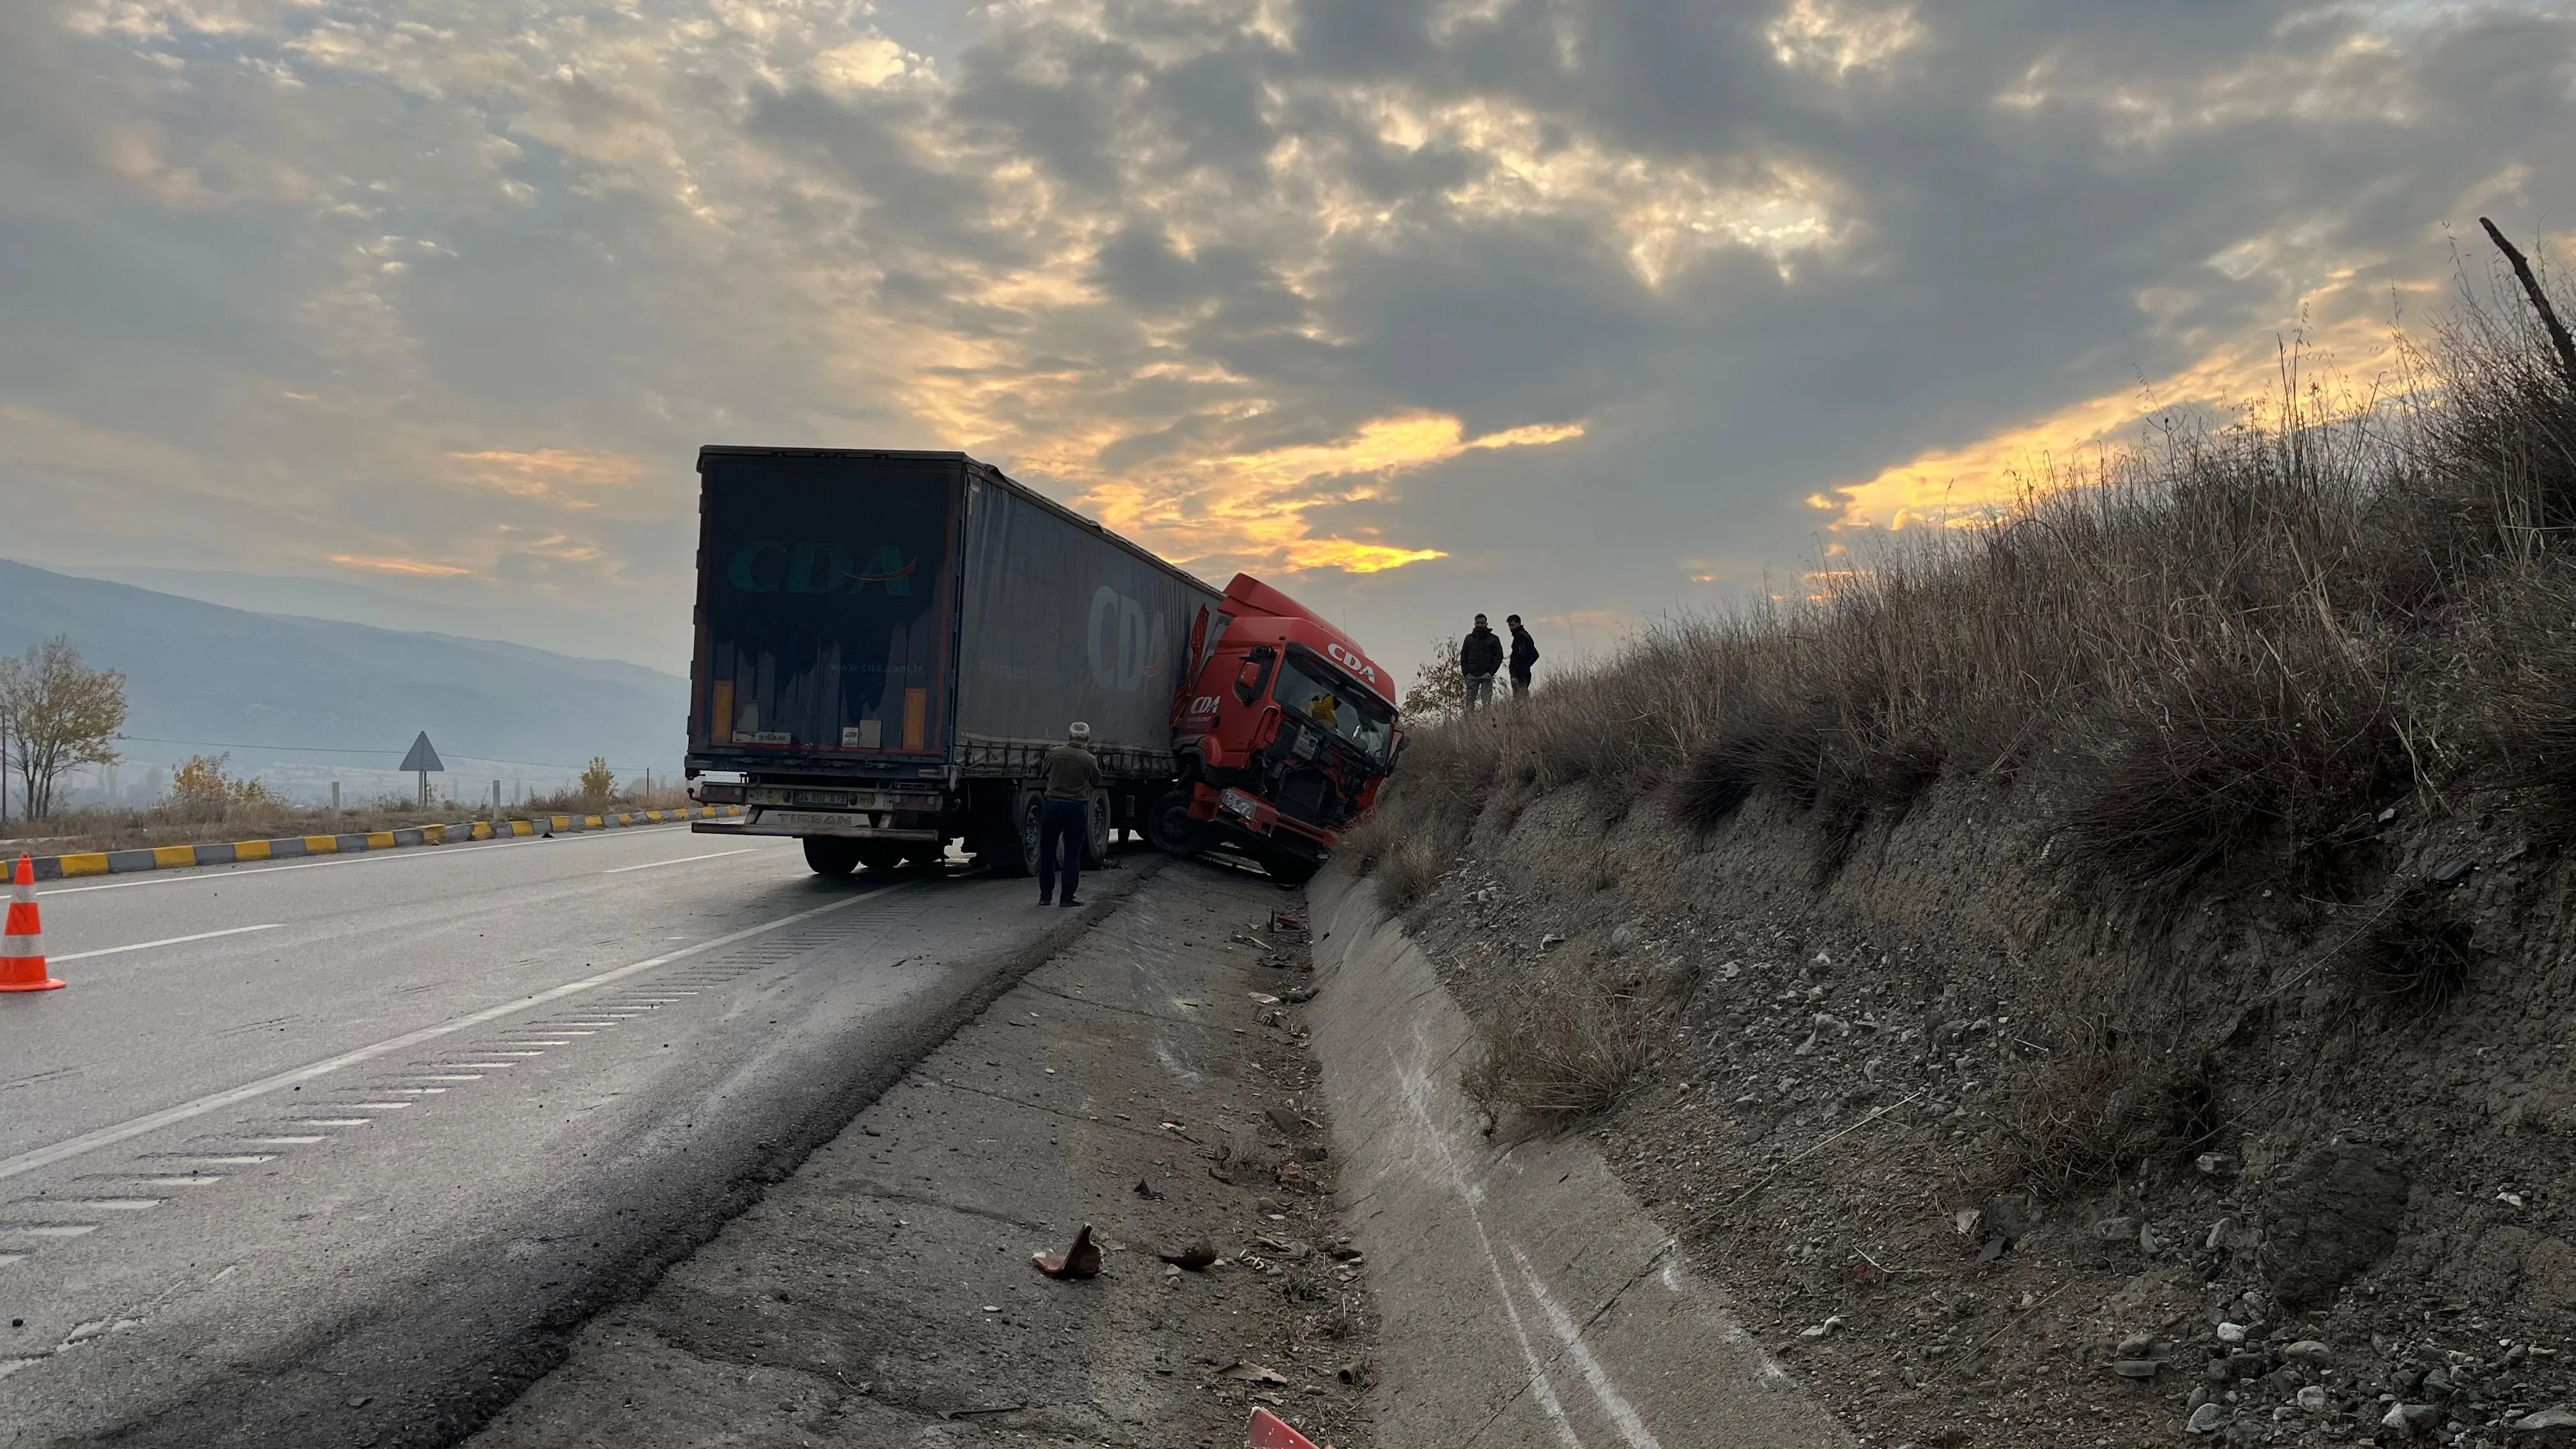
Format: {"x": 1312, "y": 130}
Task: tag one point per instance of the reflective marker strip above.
{"x": 172, "y": 857}
{"x": 71, "y": 1147}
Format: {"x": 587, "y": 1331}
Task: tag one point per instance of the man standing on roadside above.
{"x": 1072, "y": 778}
{"x": 1524, "y": 655}
{"x": 1480, "y": 657}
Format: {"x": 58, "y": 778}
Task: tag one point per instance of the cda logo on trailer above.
{"x": 1127, "y": 647}
{"x": 770, "y": 566}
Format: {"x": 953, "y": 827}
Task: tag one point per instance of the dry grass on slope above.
{"x": 2236, "y": 648}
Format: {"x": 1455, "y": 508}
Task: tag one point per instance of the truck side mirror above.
{"x": 1254, "y": 674}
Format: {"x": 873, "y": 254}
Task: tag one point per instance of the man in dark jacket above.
{"x": 1064, "y": 820}
{"x": 1524, "y": 655}
{"x": 1480, "y": 657}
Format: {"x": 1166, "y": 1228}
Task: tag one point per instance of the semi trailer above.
{"x": 887, "y": 643}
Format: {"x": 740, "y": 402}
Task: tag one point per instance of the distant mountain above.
{"x": 459, "y": 614}
{"x": 283, "y": 692}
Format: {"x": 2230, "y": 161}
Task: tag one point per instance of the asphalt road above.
{"x": 338, "y": 1152}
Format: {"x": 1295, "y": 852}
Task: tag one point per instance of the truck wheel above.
{"x": 831, "y": 854}
{"x": 1288, "y": 867}
{"x": 879, "y": 857}
{"x": 1169, "y": 826}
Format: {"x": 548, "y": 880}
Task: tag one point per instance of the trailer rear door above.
{"x": 827, "y": 604}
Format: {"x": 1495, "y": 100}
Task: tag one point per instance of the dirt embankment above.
{"x": 1988, "y": 1163}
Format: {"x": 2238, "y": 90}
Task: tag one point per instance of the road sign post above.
{"x": 421, "y": 761}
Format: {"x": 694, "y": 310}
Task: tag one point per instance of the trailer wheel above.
{"x": 1032, "y": 816}
{"x": 1095, "y": 842}
{"x": 831, "y": 854}
{"x": 1170, "y": 827}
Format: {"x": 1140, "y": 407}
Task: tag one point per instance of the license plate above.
{"x": 817, "y": 819}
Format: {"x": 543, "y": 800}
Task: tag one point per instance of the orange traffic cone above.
{"x": 1270, "y": 1432}
{"x": 22, "y": 951}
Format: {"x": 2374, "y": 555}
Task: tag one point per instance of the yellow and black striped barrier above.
{"x": 173, "y": 857}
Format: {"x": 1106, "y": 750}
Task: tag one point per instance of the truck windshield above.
{"x": 1307, "y": 690}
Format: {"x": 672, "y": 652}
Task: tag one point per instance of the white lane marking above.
{"x": 200, "y": 1180}
{"x": 526, "y": 1042}
{"x": 181, "y": 875}
{"x": 108, "y": 1136}
{"x": 50, "y": 1230}
{"x": 683, "y": 860}
{"x": 328, "y": 1121}
{"x": 238, "y": 1159}
{"x": 5, "y": 1260}
{"x": 113, "y": 1204}
{"x": 166, "y": 941}
{"x": 282, "y": 1141}
{"x": 377, "y": 1106}
{"x": 1623, "y": 1415}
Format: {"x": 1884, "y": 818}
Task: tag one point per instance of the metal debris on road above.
{"x": 1082, "y": 1260}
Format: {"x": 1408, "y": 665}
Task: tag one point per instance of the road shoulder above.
{"x": 1139, "y": 1082}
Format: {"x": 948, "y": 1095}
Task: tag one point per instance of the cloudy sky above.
{"x": 1589, "y": 309}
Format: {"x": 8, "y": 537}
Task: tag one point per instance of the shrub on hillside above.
{"x": 1567, "y": 1042}
{"x": 2091, "y": 1110}
{"x": 1406, "y": 873}
{"x": 204, "y": 789}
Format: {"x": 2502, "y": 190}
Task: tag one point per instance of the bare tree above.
{"x": 60, "y": 716}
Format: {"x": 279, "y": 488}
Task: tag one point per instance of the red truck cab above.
{"x": 1282, "y": 738}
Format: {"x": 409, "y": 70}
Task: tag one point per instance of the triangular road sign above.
{"x": 423, "y": 756}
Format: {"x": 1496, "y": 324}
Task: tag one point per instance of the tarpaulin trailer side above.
{"x": 888, "y": 643}
{"x": 1064, "y": 620}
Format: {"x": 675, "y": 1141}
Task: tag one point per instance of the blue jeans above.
{"x": 1480, "y": 691}
{"x": 1065, "y": 823}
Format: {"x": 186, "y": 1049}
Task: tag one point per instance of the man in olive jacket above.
{"x": 1480, "y": 657}
{"x": 1072, "y": 778}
